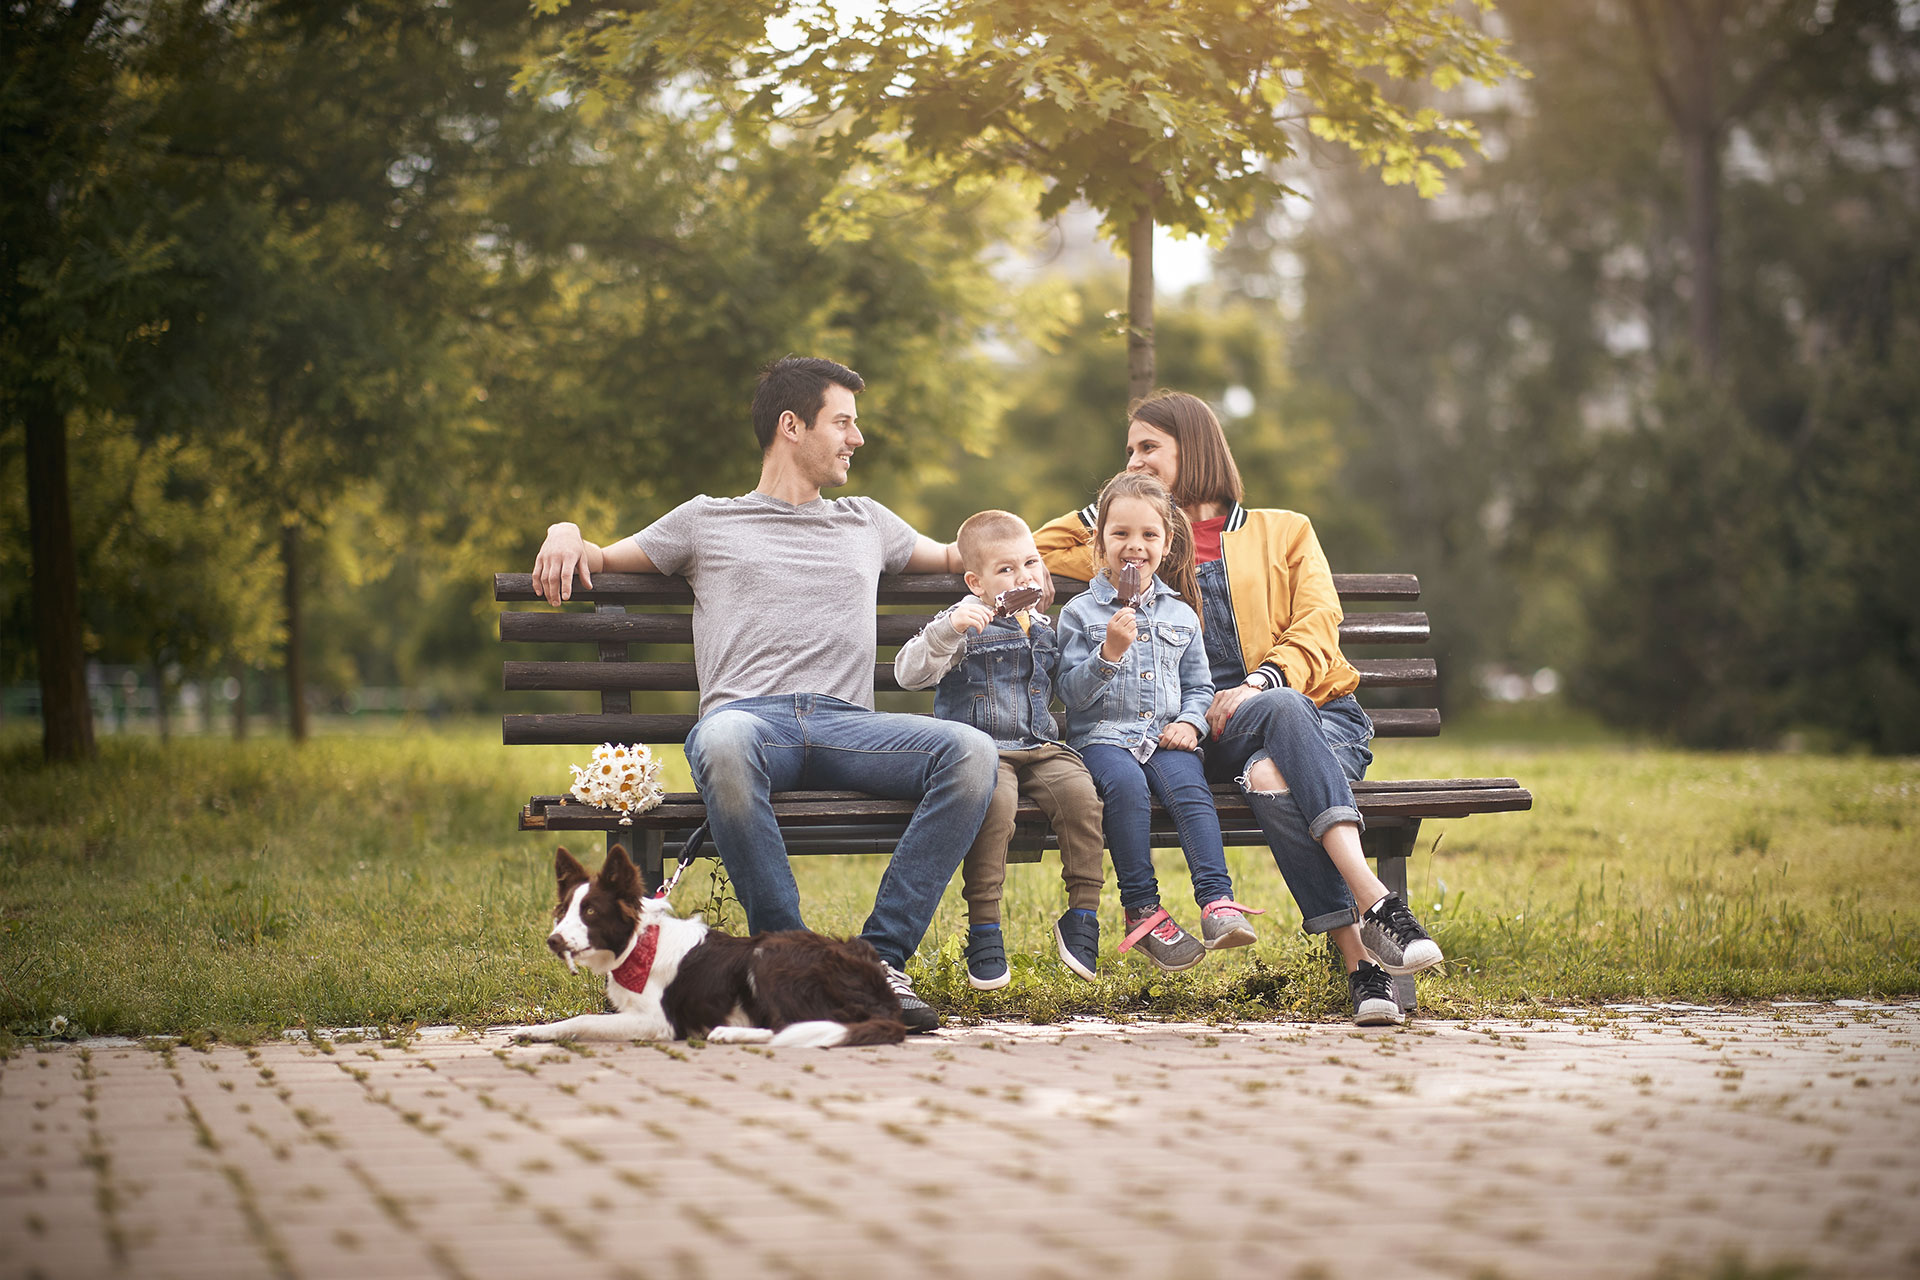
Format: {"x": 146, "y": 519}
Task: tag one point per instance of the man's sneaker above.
{"x": 1223, "y": 923}
{"x": 1076, "y": 935}
{"x": 1395, "y": 939}
{"x": 987, "y": 960}
{"x": 1162, "y": 941}
{"x": 915, "y": 1012}
{"x": 1373, "y": 1001}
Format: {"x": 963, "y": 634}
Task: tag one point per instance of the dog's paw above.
{"x": 739, "y": 1035}
{"x": 534, "y": 1032}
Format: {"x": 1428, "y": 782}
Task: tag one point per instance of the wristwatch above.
{"x": 1260, "y": 678}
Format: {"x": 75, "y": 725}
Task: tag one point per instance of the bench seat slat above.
{"x": 893, "y": 628}
{"x": 848, "y": 811}
{"x": 563, "y": 728}
{"x": 1375, "y": 673}
{"x": 901, "y": 588}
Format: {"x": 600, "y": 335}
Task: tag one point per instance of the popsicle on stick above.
{"x": 1014, "y": 599}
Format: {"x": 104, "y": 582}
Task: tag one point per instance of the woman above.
{"x": 1283, "y": 722}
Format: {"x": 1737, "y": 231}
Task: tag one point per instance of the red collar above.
{"x": 633, "y": 971}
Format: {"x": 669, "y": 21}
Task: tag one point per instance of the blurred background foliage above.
{"x": 335, "y": 321}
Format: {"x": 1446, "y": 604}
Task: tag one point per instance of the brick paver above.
{"x": 1611, "y": 1144}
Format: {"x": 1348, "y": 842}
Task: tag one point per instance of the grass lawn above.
{"x": 378, "y": 879}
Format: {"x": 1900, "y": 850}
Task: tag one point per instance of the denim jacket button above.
{"x": 1147, "y": 676}
{"x": 1146, "y": 715}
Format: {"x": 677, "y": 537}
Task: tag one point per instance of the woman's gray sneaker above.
{"x": 1162, "y": 941}
{"x": 1395, "y": 939}
{"x": 915, "y": 1012}
{"x": 1373, "y": 1002}
{"x": 1076, "y": 935}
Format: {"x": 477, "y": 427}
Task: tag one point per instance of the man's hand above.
{"x": 1121, "y": 633}
{"x": 563, "y": 552}
{"x": 970, "y": 615}
{"x": 1179, "y": 736}
{"x": 1224, "y": 704}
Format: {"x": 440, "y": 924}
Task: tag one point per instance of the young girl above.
{"x": 1136, "y": 687}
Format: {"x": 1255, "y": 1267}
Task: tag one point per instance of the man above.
{"x": 785, "y": 583}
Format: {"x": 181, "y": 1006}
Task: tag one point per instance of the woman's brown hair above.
{"x": 1207, "y": 471}
{"x": 1176, "y": 568}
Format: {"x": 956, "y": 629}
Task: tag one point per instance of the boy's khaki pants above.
{"x": 1054, "y": 778}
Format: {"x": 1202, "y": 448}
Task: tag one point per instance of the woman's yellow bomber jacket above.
{"x": 1284, "y": 604}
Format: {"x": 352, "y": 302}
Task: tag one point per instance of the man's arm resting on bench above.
{"x": 934, "y": 557}
{"x": 565, "y": 551}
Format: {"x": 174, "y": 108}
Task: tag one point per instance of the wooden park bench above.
{"x": 625, "y": 610}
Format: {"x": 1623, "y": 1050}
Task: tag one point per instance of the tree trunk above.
{"x": 1140, "y": 308}
{"x": 238, "y": 707}
{"x": 160, "y": 710}
{"x": 296, "y": 643}
{"x": 1701, "y": 147}
{"x": 65, "y": 715}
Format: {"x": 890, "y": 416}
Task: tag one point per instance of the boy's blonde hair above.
{"x": 984, "y": 531}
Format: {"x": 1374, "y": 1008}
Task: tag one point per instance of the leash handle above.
{"x": 688, "y": 852}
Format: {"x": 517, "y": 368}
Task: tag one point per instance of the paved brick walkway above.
{"x": 1609, "y": 1145}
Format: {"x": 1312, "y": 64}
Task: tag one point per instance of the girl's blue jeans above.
{"x": 1128, "y": 788}
{"x": 1319, "y": 751}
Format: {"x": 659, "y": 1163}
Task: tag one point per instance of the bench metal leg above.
{"x": 649, "y": 852}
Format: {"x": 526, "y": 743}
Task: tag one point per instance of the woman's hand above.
{"x": 1121, "y": 633}
{"x": 1224, "y": 704}
{"x": 1179, "y": 736}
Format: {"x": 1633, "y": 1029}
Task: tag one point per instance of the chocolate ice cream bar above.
{"x": 1014, "y": 599}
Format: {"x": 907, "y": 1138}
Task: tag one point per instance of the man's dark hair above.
{"x": 796, "y": 385}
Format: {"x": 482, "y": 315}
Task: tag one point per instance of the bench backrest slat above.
{"x": 680, "y": 677}
{"x": 893, "y": 628}
{"x": 901, "y": 588}
{"x": 566, "y": 728}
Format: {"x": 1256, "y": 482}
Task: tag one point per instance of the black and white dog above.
{"x": 669, "y": 978}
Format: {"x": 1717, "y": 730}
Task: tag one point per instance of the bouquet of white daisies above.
{"x": 622, "y": 778}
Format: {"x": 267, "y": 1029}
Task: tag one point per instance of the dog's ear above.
{"x": 620, "y": 877}
{"x": 568, "y": 870}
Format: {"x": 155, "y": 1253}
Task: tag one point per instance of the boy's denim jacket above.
{"x": 1162, "y": 678}
{"x": 997, "y": 680}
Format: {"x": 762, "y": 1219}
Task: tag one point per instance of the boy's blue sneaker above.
{"x": 1077, "y": 937}
{"x": 986, "y": 960}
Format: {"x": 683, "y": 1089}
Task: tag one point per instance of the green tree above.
{"x": 1153, "y": 113}
{"x": 75, "y": 250}
{"x": 1518, "y": 370}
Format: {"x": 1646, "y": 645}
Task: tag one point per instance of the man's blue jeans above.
{"x": 745, "y": 751}
{"x": 1127, "y": 789}
{"x": 1319, "y": 751}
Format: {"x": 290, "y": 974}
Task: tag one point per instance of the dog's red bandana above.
{"x": 633, "y": 971}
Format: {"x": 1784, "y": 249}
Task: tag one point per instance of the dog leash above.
{"x": 688, "y": 852}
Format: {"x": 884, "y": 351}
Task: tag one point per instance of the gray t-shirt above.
{"x": 783, "y": 595}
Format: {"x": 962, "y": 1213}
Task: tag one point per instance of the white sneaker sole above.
{"x": 989, "y": 984}
{"x": 1238, "y": 938}
{"x": 1378, "y": 1013}
{"x": 1067, "y": 957}
{"x": 1164, "y": 967}
{"x": 1403, "y": 969}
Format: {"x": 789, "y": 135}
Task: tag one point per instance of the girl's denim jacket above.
{"x": 1162, "y": 678}
{"x": 999, "y": 680}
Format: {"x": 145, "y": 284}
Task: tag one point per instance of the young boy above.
{"x": 994, "y": 657}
